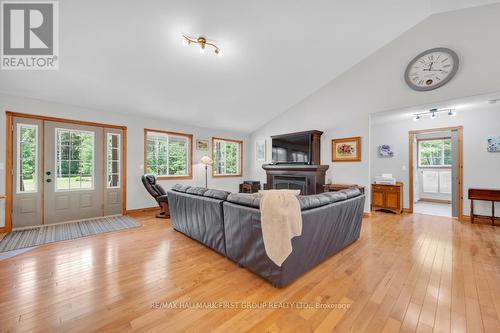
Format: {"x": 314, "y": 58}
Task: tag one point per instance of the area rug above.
{"x": 20, "y": 239}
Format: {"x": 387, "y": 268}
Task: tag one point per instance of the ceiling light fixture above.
{"x": 432, "y": 113}
{"x": 202, "y": 42}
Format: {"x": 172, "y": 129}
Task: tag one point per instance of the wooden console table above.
{"x": 484, "y": 194}
{"x": 339, "y": 187}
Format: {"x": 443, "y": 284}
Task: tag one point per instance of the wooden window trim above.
{"x": 411, "y": 138}
{"x": 240, "y": 174}
{"x": 190, "y": 164}
{"x": 9, "y": 117}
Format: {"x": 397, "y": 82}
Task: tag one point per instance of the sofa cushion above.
{"x": 335, "y": 196}
{"x": 245, "y": 199}
{"x": 180, "y": 188}
{"x": 351, "y": 192}
{"x": 313, "y": 201}
{"x": 216, "y": 194}
{"x": 196, "y": 190}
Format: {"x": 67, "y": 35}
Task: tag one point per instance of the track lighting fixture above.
{"x": 432, "y": 113}
{"x": 202, "y": 42}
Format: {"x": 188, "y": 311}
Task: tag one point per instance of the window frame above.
{"x": 56, "y": 136}
{"x": 240, "y": 142}
{"x": 18, "y": 162}
{"x": 420, "y": 166}
{"x": 119, "y": 160}
{"x": 190, "y": 153}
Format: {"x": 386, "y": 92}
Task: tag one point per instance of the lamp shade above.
{"x": 206, "y": 160}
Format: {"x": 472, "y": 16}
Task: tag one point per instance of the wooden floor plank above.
{"x": 406, "y": 273}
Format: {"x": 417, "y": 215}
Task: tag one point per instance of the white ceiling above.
{"x": 126, "y": 56}
{"x": 464, "y": 104}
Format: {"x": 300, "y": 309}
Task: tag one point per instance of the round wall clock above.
{"x": 431, "y": 69}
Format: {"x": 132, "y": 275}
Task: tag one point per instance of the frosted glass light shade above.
{"x": 206, "y": 160}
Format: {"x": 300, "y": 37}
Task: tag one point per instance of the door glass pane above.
{"x": 74, "y": 160}
{"x": 113, "y": 158}
{"x": 27, "y": 158}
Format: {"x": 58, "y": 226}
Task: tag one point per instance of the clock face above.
{"x": 431, "y": 69}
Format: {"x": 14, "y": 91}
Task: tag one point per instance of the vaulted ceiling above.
{"x": 126, "y": 56}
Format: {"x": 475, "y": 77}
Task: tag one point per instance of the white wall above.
{"x": 480, "y": 167}
{"x": 137, "y": 197}
{"x": 342, "y": 107}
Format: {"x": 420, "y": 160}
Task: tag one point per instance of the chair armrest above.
{"x": 162, "y": 198}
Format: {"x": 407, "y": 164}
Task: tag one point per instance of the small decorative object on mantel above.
{"x": 385, "y": 151}
{"x": 260, "y": 150}
{"x": 493, "y": 144}
{"x": 346, "y": 149}
{"x": 202, "y": 145}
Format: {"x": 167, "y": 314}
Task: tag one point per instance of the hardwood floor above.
{"x": 409, "y": 273}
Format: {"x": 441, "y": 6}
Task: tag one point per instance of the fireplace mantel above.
{"x": 313, "y": 177}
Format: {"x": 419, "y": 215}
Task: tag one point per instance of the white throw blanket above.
{"x": 281, "y": 221}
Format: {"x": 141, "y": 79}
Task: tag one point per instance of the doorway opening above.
{"x": 435, "y": 171}
{"x": 61, "y": 170}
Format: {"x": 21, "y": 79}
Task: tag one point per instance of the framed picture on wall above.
{"x": 385, "y": 150}
{"x": 202, "y": 145}
{"x": 493, "y": 144}
{"x": 346, "y": 149}
{"x": 260, "y": 150}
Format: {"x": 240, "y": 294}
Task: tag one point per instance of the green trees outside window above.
{"x": 168, "y": 155}
{"x": 436, "y": 152}
{"x": 74, "y": 159}
{"x": 27, "y": 158}
{"x": 227, "y": 157}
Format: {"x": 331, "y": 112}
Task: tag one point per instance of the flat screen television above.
{"x": 292, "y": 149}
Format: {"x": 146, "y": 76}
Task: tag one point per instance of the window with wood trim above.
{"x": 168, "y": 154}
{"x": 434, "y": 152}
{"x": 227, "y": 157}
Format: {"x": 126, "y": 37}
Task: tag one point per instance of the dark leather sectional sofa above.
{"x": 229, "y": 223}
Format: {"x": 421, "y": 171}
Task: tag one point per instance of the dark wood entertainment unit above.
{"x": 308, "y": 178}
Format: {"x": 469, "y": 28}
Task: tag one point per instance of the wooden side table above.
{"x": 249, "y": 188}
{"x": 484, "y": 194}
{"x": 388, "y": 197}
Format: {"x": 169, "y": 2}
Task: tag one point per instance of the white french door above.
{"x": 65, "y": 172}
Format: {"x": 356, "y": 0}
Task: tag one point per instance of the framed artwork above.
{"x": 493, "y": 144}
{"x": 202, "y": 145}
{"x": 385, "y": 151}
{"x": 346, "y": 149}
{"x": 260, "y": 150}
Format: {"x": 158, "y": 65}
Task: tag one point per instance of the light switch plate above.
{"x": 2, "y": 166}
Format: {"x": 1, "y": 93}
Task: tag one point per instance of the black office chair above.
{"x": 158, "y": 193}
